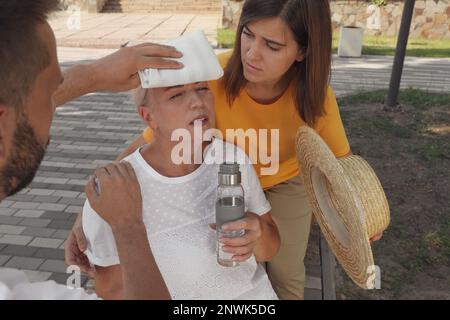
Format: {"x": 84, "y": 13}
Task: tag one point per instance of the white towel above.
{"x": 199, "y": 60}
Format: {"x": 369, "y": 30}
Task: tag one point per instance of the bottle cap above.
{"x": 229, "y": 174}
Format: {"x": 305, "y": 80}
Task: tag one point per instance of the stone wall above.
{"x": 431, "y": 17}
{"x": 231, "y": 12}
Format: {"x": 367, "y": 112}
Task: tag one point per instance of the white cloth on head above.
{"x": 199, "y": 60}
{"x": 177, "y": 213}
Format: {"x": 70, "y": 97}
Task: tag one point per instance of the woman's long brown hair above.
{"x": 310, "y": 22}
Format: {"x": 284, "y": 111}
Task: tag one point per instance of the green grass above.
{"x": 432, "y": 146}
{"x": 377, "y": 96}
{"x": 422, "y": 100}
{"x": 437, "y": 148}
{"x": 417, "y": 98}
{"x": 390, "y": 128}
{"x": 386, "y": 46}
{"x": 434, "y": 249}
{"x": 382, "y": 126}
{"x": 225, "y": 38}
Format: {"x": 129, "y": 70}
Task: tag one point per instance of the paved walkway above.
{"x": 350, "y": 75}
{"x": 110, "y": 30}
{"x": 93, "y": 129}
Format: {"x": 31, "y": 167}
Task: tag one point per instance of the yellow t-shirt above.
{"x": 251, "y": 117}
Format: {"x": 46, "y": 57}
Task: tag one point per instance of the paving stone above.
{"x": 71, "y": 201}
{"x": 52, "y": 206}
{"x": 67, "y": 187}
{"x": 7, "y": 229}
{"x": 56, "y": 215}
{"x": 66, "y": 194}
{"x": 63, "y": 245}
{"x": 29, "y": 213}
{"x": 56, "y": 180}
{"x": 23, "y": 191}
{"x": 45, "y": 242}
{"x": 110, "y": 149}
{"x": 82, "y": 196}
{"x": 38, "y": 232}
{"x": 4, "y": 259}
{"x": 51, "y": 199}
{"x": 81, "y": 176}
{"x": 39, "y": 179}
{"x": 59, "y": 277}
{"x": 57, "y": 164}
{"x": 7, "y": 211}
{"x": 50, "y": 253}
{"x": 50, "y": 174}
{"x": 71, "y": 170}
{"x": 41, "y": 192}
{"x": 24, "y": 263}
{"x": 86, "y": 166}
{"x": 31, "y": 222}
{"x": 78, "y": 182}
{"x": 21, "y": 198}
{"x": 54, "y": 266}
{"x": 25, "y": 205}
{"x": 61, "y": 234}
{"x": 15, "y": 239}
{"x": 5, "y": 204}
{"x": 77, "y": 188}
{"x": 10, "y": 220}
{"x": 74, "y": 209}
{"x": 40, "y": 184}
{"x": 21, "y": 251}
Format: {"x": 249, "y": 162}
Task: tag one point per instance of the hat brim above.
{"x": 336, "y": 206}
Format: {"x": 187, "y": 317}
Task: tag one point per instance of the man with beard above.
{"x": 32, "y": 85}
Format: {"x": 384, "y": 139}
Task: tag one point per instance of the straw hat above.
{"x": 347, "y": 201}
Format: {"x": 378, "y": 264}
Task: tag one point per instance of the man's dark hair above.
{"x": 23, "y": 53}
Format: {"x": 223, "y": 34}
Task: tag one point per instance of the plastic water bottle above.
{"x": 230, "y": 206}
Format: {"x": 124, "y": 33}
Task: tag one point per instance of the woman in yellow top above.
{"x": 276, "y": 79}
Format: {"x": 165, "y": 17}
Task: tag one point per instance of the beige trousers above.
{"x": 292, "y": 214}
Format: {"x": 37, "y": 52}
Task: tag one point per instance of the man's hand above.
{"x": 118, "y": 199}
{"x": 243, "y": 247}
{"x": 119, "y": 71}
{"x": 115, "y": 72}
{"x": 75, "y": 246}
{"x": 115, "y": 195}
